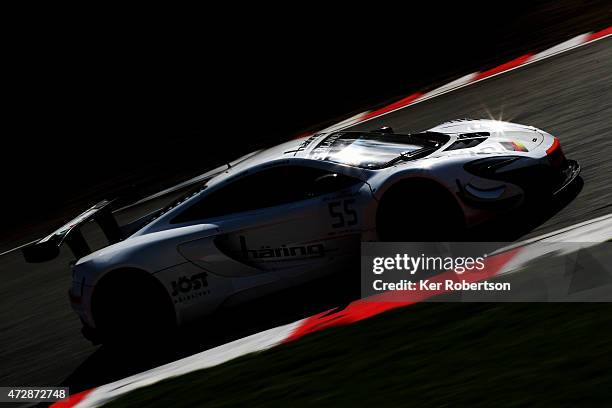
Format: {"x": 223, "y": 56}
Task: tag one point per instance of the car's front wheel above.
{"x": 419, "y": 210}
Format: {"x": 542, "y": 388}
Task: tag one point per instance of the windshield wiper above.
{"x": 415, "y": 154}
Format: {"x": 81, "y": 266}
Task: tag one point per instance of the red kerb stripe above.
{"x": 599, "y": 34}
{"x": 503, "y": 67}
{"x": 366, "y": 308}
{"x": 72, "y": 400}
{"x": 395, "y": 105}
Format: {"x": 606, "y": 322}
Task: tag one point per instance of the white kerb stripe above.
{"x": 209, "y": 358}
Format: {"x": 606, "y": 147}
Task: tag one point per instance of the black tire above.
{"x": 130, "y": 306}
{"x": 419, "y": 211}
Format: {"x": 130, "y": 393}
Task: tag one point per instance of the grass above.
{"x": 433, "y": 354}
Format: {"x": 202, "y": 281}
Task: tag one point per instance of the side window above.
{"x": 267, "y": 188}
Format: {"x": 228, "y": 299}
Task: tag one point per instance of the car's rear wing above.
{"x": 48, "y": 248}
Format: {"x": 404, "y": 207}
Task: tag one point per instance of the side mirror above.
{"x": 330, "y": 183}
{"x": 327, "y": 183}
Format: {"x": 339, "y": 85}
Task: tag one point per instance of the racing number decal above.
{"x": 342, "y": 212}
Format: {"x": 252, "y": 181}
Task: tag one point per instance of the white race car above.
{"x": 294, "y": 212}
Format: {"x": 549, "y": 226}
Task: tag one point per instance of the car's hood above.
{"x": 479, "y": 125}
{"x": 500, "y": 136}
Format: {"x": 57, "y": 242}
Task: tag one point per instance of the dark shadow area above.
{"x": 111, "y": 363}
{"x": 133, "y": 107}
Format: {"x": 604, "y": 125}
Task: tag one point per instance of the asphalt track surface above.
{"x": 569, "y": 95}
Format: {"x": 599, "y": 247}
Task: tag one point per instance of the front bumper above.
{"x": 568, "y": 175}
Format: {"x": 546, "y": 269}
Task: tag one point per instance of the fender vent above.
{"x": 468, "y": 140}
{"x": 473, "y": 134}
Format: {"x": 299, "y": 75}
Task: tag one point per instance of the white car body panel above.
{"x": 255, "y": 252}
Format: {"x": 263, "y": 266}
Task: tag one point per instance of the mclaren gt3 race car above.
{"x": 291, "y": 213}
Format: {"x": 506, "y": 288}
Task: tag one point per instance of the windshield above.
{"x": 372, "y": 150}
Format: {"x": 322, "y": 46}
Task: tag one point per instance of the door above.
{"x": 284, "y": 221}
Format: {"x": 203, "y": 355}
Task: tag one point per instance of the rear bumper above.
{"x": 80, "y": 301}
{"x": 91, "y": 334}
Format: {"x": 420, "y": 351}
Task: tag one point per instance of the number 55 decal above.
{"x": 343, "y": 213}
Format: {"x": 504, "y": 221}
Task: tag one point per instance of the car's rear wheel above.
{"x": 130, "y": 306}
{"x": 419, "y": 210}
